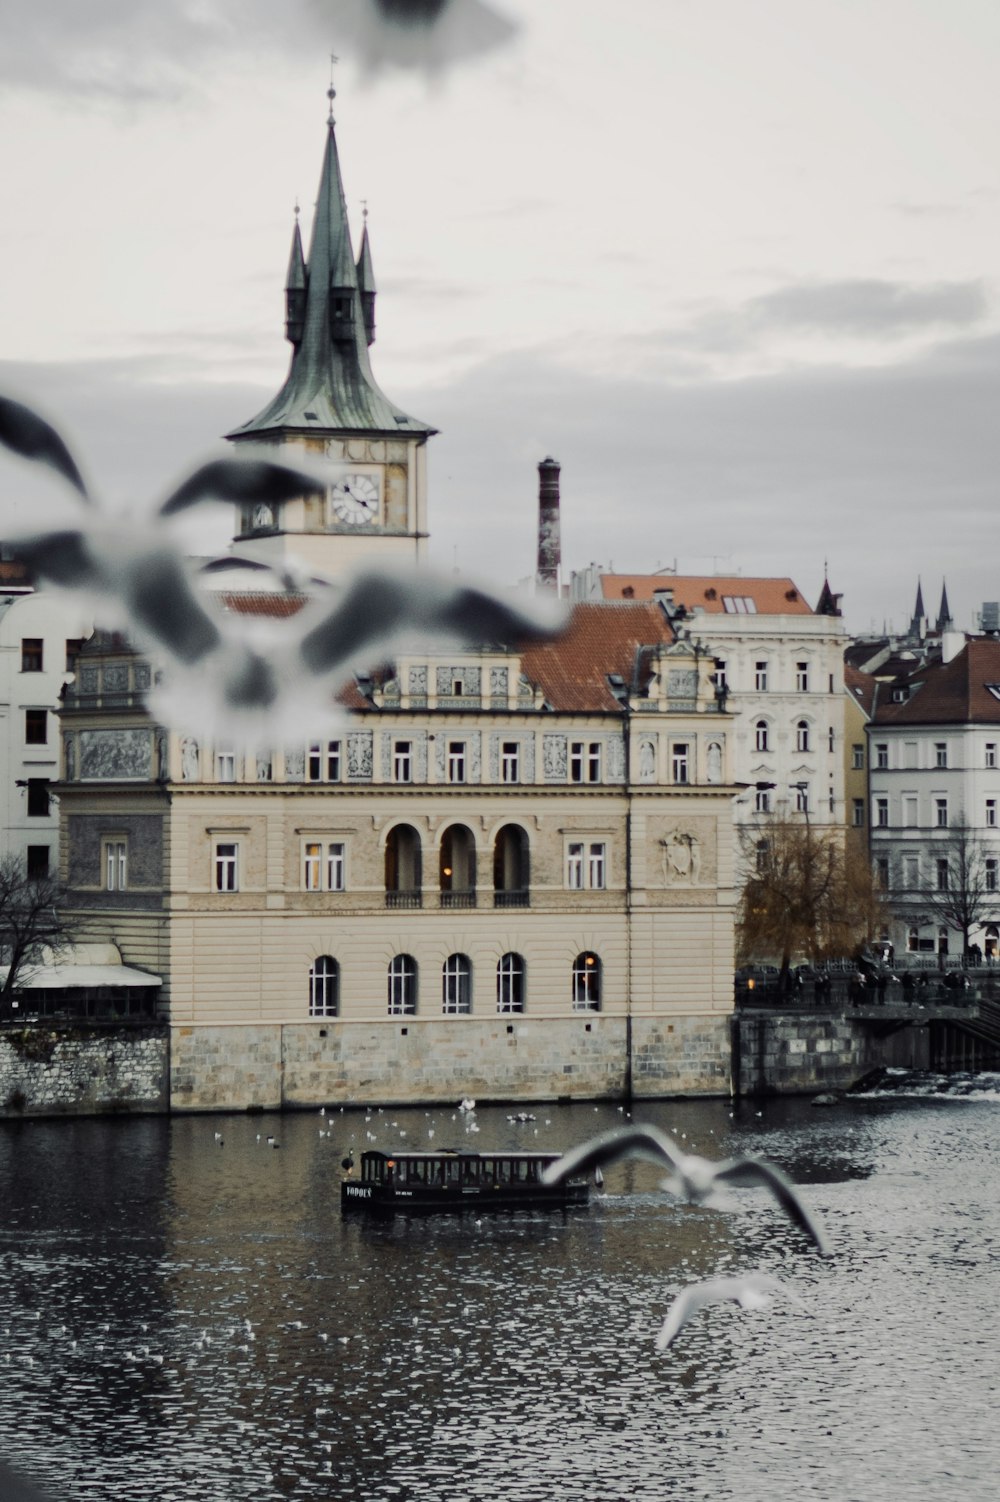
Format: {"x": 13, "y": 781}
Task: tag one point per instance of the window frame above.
{"x": 36, "y": 727}
{"x": 586, "y": 982}
{"x": 802, "y": 677}
{"x": 857, "y": 756}
{"x": 586, "y": 762}
{"x": 321, "y": 984}
{"x": 511, "y": 984}
{"x": 402, "y": 761}
{"x": 586, "y": 865}
{"x": 32, "y": 654}
{"x": 940, "y": 812}
{"x": 224, "y": 864}
{"x": 762, "y": 736}
{"x": 323, "y": 761}
{"x": 760, "y": 671}
{"x": 114, "y": 862}
{"x": 802, "y": 735}
{"x": 510, "y": 761}
{"x": 881, "y": 756}
{"x": 680, "y": 763}
{"x": 881, "y": 819}
{"x": 456, "y": 986}
{"x": 401, "y": 981}
{"x": 456, "y": 761}
{"x": 990, "y": 758}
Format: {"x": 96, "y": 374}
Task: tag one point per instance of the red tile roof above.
{"x": 260, "y": 602}
{"x": 572, "y": 671}
{"x": 770, "y": 596}
{"x": 950, "y": 693}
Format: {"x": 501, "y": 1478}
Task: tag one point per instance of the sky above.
{"x": 732, "y": 265}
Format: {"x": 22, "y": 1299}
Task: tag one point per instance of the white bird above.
{"x": 222, "y": 671}
{"x": 751, "y": 1291}
{"x": 467, "y": 1104}
{"x": 692, "y": 1178}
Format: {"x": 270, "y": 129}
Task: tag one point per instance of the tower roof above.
{"x": 330, "y": 385}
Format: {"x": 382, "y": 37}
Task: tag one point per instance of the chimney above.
{"x": 549, "y": 546}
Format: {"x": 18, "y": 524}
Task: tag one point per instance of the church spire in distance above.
{"x": 330, "y": 322}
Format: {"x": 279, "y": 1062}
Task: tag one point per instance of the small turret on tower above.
{"x": 295, "y": 288}
{"x": 366, "y": 283}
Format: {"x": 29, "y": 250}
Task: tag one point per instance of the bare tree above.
{"x": 963, "y": 892}
{"x": 806, "y": 892}
{"x": 31, "y": 923}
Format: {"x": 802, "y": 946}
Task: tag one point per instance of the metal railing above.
{"x": 516, "y": 898}
{"x": 404, "y": 899}
{"x": 459, "y": 897}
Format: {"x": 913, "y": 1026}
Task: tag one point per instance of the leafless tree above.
{"x": 807, "y": 892}
{"x": 963, "y": 893}
{"x": 32, "y": 922}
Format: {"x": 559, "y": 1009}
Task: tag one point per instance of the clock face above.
{"x": 354, "y": 499}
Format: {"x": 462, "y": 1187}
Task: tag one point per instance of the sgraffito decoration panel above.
{"x": 115, "y": 754}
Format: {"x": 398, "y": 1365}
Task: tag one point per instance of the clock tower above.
{"x": 330, "y": 411}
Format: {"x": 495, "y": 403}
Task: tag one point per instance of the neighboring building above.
{"x": 511, "y": 875}
{"x": 934, "y": 776}
{"x": 780, "y": 665}
{"x": 39, "y": 637}
{"x": 859, "y": 699}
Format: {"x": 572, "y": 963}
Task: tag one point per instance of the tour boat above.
{"x": 457, "y": 1180}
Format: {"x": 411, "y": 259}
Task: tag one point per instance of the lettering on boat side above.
{"x": 358, "y": 1191}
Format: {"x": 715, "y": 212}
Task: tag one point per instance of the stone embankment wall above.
{"x": 83, "y": 1069}
{"x": 422, "y": 1062}
{"x": 787, "y": 1053}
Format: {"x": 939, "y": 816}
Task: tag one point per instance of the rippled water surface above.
{"x": 182, "y": 1319}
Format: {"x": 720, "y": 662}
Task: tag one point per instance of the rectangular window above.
{"x": 940, "y": 753}
{"x": 225, "y": 765}
{"x": 911, "y": 872}
{"x": 802, "y": 677}
{"x": 38, "y": 797}
{"x": 941, "y": 812}
{"x": 312, "y": 866}
{"x": 402, "y": 761}
{"x": 226, "y": 868}
{"x": 585, "y": 761}
{"x": 36, "y": 727}
{"x": 991, "y": 753}
{"x": 858, "y": 813}
{"x": 858, "y": 757}
{"x": 335, "y": 868}
{"x": 991, "y": 873}
{"x": 32, "y": 649}
{"x": 943, "y": 876}
{"x": 721, "y": 681}
{"x": 73, "y": 645}
{"x": 882, "y": 872}
{"x": 881, "y": 813}
{"x": 831, "y": 739}
{"x": 991, "y": 813}
{"x": 760, "y": 677}
{"x": 456, "y": 761}
{"x": 911, "y": 810}
{"x": 762, "y": 801}
{"x": 680, "y": 761}
{"x": 38, "y": 862}
{"x": 801, "y": 798}
{"x": 115, "y": 865}
{"x": 510, "y": 761}
{"x": 586, "y": 866}
{"x": 323, "y": 762}
{"x": 881, "y": 755}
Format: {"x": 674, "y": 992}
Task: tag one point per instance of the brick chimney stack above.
{"x": 549, "y": 544}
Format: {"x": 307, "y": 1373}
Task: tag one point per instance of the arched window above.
{"x": 456, "y": 986}
{"x": 511, "y": 867}
{"x": 402, "y": 867}
{"x": 587, "y": 983}
{"x": 761, "y": 735}
{"x": 324, "y": 986}
{"x": 457, "y": 867}
{"x": 403, "y": 986}
{"x": 802, "y": 736}
{"x": 510, "y": 983}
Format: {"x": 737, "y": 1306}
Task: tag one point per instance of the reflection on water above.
{"x": 180, "y": 1318}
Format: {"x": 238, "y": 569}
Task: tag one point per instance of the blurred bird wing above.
{"x": 243, "y": 481}
{"x": 693, "y": 1298}
{"x": 27, "y": 434}
{"x": 377, "y": 607}
{"x": 754, "y": 1172}
{"x": 610, "y": 1147}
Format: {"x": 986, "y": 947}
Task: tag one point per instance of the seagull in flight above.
{"x": 228, "y": 672}
{"x": 691, "y": 1178}
{"x": 750, "y": 1291}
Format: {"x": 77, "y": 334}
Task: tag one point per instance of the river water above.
{"x": 184, "y": 1319}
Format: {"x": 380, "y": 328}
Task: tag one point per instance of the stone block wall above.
{"x": 681, "y": 1056}
{"x": 785, "y": 1053}
{"x": 83, "y": 1069}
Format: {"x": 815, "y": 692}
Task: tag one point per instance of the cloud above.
{"x": 869, "y": 308}
{"x": 130, "y": 50}
{"x": 887, "y": 473}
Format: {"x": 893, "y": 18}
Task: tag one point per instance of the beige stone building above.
{"x": 510, "y": 875}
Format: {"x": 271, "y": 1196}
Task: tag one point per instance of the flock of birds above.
{"x": 690, "y": 1178}
{"x": 220, "y": 671}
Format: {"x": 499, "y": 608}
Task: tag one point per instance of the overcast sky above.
{"x": 732, "y": 264}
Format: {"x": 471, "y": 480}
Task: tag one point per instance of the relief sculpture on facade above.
{"x": 681, "y": 858}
